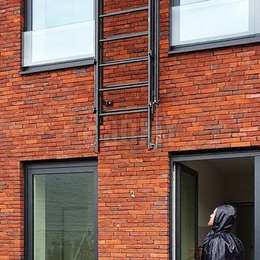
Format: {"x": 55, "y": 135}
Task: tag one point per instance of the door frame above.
{"x": 196, "y": 156}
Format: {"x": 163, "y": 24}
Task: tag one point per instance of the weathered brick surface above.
{"x": 209, "y": 99}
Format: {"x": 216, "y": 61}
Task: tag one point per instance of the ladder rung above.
{"x": 124, "y": 111}
{"x": 128, "y": 11}
{"x": 124, "y": 86}
{"x": 118, "y": 62}
{"x": 124, "y": 36}
{"x": 123, "y": 137}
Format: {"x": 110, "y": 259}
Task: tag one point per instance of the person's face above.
{"x": 212, "y": 217}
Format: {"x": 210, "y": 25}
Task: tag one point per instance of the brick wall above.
{"x": 209, "y": 99}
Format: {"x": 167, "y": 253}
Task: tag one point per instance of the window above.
{"x": 203, "y": 21}
{"x": 61, "y": 211}
{"x": 58, "y": 31}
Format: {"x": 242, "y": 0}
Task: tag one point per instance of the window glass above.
{"x": 64, "y": 217}
{"x": 197, "y": 21}
{"x": 53, "y": 13}
{"x": 62, "y": 30}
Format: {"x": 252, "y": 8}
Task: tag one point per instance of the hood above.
{"x": 220, "y": 243}
{"x": 224, "y": 219}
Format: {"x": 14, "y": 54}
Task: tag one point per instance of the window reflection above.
{"x": 53, "y": 13}
{"x": 195, "y": 21}
{"x": 62, "y": 30}
{"x": 64, "y": 217}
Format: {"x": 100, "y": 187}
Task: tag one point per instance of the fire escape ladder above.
{"x": 151, "y": 59}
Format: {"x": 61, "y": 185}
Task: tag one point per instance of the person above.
{"x": 220, "y": 243}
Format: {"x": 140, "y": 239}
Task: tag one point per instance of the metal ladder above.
{"x": 152, "y": 60}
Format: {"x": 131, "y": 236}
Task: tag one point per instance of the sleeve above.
{"x": 215, "y": 250}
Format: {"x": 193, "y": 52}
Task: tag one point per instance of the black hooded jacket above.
{"x": 220, "y": 243}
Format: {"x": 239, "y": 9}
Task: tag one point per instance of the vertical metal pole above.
{"x": 96, "y": 56}
{"x": 157, "y": 52}
{"x": 152, "y": 50}
{"x": 257, "y": 207}
{"x": 99, "y": 23}
{"x": 177, "y": 232}
{"x": 173, "y": 192}
{"x": 149, "y": 119}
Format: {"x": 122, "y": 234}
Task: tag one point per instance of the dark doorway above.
{"x": 202, "y": 185}
{"x": 244, "y": 228}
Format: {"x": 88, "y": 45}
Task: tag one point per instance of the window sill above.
{"x": 214, "y": 45}
{"x": 57, "y": 66}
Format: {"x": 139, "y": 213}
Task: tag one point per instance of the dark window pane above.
{"x": 64, "y": 217}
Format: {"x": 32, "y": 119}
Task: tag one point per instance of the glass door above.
{"x": 186, "y": 213}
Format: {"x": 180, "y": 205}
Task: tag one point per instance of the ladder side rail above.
{"x": 153, "y": 66}
{"x": 153, "y": 52}
{"x": 157, "y": 51}
{"x": 98, "y": 69}
{"x": 149, "y": 116}
{"x": 96, "y": 56}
